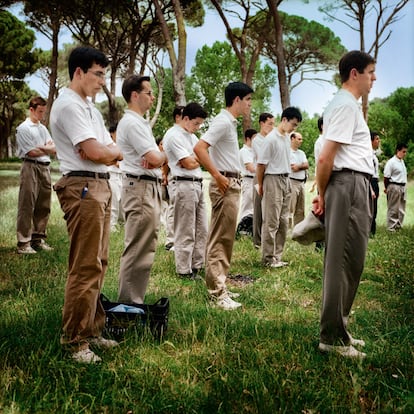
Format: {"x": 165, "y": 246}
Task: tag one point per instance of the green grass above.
{"x": 261, "y": 359}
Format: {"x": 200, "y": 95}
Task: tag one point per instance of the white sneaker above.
{"x": 86, "y": 356}
{"x": 233, "y": 295}
{"x": 26, "y": 250}
{"x": 345, "y": 351}
{"x": 101, "y": 342}
{"x": 357, "y": 342}
{"x": 276, "y": 265}
{"x": 42, "y": 245}
{"x": 227, "y": 303}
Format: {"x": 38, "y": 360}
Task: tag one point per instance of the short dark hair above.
{"x": 178, "y": 110}
{"x": 249, "y": 133}
{"x": 264, "y": 116}
{"x": 37, "y": 101}
{"x": 84, "y": 57}
{"x": 373, "y": 135}
{"x": 112, "y": 128}
{"x": 194, "y": 110}
{"x": 400, "y": 146}
{"x": 354, "y": 60}
{"x": 290, "y": 113}
{"x": 133, "y": 83}
{"x": 320, "y": 124}
{"x": 236, "y": 89}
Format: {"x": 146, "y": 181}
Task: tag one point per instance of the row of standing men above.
{"x": 85, "y": 150}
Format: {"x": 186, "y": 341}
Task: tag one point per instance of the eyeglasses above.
{"x": 294, "y": 124}
{"x": 98, "y": 74}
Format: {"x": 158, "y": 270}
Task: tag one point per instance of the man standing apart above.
{"x": 34, "y": 147}
{"x": 266, "y": 125}
{"x": 299, "y": 165}
{"x": 141, "y": 189}
{"x": 375, "y": 141}
{"x": 248, "y": 171}
{"x": 395, "y": 183}
{"x": 190, "y": 215}
{"x": 343, "y": 177}
{"x": 218, "y": 152}
{"x": 85, "y": 149}
{"x": 273, "y": 169}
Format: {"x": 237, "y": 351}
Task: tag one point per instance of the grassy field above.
{"x": 260, "y": 359}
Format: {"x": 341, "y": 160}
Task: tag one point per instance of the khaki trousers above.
{"x": 141, "y": 201}
{"x": 33, "y": 208}
{"x": 220, "y": 240}
{"x": 275, "y": 208}
{"x": 190, "y": 226}
{"x": 396, "y": 202}
{"x": 348, "y": 214}
{"x": 87, "y": 216}
{"x": 297, "y": 203}
{"x": 257, "y": 215}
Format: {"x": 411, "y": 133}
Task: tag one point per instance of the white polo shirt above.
{"x": 134, "y": 137}
{"x": 343, "y": 122}
{"x": 396, "y": 170}
{"x": 275, "y": 153}
{"x": 298, "y": 157}
{"x": 246, "y": 155}
{"x": 178, "y": 144}
{"x": 222, "y": 138}
{"x": 256, "y": 145}
{"x": 72, "y": 121}
{"x": 29, "y": 136}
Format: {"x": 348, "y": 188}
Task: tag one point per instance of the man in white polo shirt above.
{"x": 34, "y": 147}
{"x": 85, "y": 150}
{"x": 218, "y": 152}
{"x": 299, "y": 165}
{"x": 343, "y": 177}
{"x": 141, "y": 189}
{"x": 395, "y": 183}
{"x": 186, "y": 178}
{"x": 273, "y": 169}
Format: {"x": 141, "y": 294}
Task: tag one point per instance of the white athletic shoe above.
{"x": 227, "y": 303}
{"x": 86, "y": 356}
{"x": 345, "y": 351}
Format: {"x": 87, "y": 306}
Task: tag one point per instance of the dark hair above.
{"x": 320, "y": 124}
{"x": 112, "y": 128}
{"x": 400, "y": 146}
{"x": 373, "y": 135}
{"x": 264, "y": 116}
{"x": 249, "y": 133}
{"x": 178, "y": 110}
{"x": 354, "y": 60}
{"x": 84, "y": 57}
{"x": 133, "y": 83}
{"x": 37, "y": 101}
{"x": 236, "y": 89}
{"x": 194, "y": 110}
{"x": 290, "y": 113}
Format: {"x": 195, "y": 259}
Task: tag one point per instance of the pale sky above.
{"x": 395, "y": 66}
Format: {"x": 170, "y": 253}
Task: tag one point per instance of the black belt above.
{"x": 347, "y": 170}
{"x": 248, "y": 176}
{"x": 199, "y": 180}
{"x": 36, "y": 161}
{"x": 280, "y": 175}
{"x": 230, "y": 174}
{"x": 374, "y": 179}
{"x": 89, "y": 174}
{"x": 145, "y": 177}
{"x": 297, "y": 179}
{"x": 400, "y": 184}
